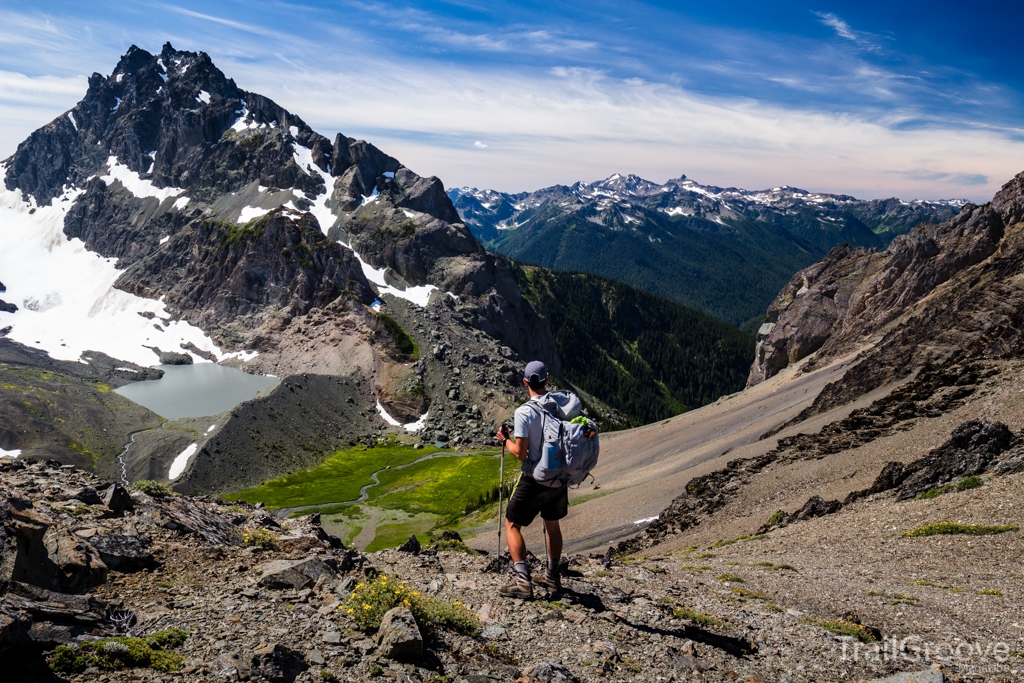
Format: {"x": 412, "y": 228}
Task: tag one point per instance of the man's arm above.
{"x": 518, "y": 447}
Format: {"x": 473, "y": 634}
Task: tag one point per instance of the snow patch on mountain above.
{"x": 304, "y": 159}
{"x": 65, "y": 293}
{"x": 138, "y": 186}
{"x": 419, "y": 295}
{"x": 409, "y": 427}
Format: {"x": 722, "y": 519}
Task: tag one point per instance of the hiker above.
{"x": 529, "y": 497}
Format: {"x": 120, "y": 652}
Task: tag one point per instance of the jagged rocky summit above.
{"x": 171, "y": 215}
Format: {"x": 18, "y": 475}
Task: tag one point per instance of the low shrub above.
{"x": 950, "y": 528}
{"x": 263, "y": 538}
{"x": 775, "y": 567}
{"x": 990, "y": 591}
{"x": 370, "y": 601}
{"x": 122, "y": 652}
{"x": 965, "y": 484}
{"x": 152, "y": 488}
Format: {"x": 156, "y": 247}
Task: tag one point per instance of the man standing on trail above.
{"x": 529, "y": 497}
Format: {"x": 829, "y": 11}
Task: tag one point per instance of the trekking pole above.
{"x": 501, "y": 485}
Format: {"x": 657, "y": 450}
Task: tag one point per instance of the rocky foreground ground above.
{"x": 111, "y": 585}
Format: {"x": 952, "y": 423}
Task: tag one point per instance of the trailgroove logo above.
{"x": 993, "y": 656}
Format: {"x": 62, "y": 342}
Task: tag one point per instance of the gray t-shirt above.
{"x": 528, "y": 423}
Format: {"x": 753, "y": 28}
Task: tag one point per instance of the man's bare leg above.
{"x": 549, "y": 577}
{"x": 554, "y": 540}
{"x": 516, "y": 544}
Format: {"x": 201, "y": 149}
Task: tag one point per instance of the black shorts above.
{"x": 529, "y": 498}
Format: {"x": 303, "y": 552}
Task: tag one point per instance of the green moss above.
{"x": 730, "y": 578}
{"x": 700, "y": 618}
{"x": 122, "y": 652}
{"x": 990, "y": 591}
{"x": 747, "y": 593}
{"x": 965, "y": 484}
{"x": 953, "y": 528}
{"x": 66, "y": 660}
{"x": 776, "y": 518}
{"x": 842, "y": 627}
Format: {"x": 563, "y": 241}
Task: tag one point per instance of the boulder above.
{"x": 296, "y": 574}
{"x": 124, "y": 552}
{"x": 411, "y": 546}
{"x": 399, "y": 637}
{"x": 175, "y": 358}
{"x": 229, "y": 666}
{"x": 277, "y": 663}
{"x": 86, "y": 494}
{"x": 117, "y": 498}
{"x": 80, "y": 565}
{"x": 550, "y": 672}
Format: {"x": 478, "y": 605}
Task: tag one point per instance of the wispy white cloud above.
{"x": 480, "y": 145}
{"x": 844, "y": 30}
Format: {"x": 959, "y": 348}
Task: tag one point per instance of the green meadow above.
{"x": 420, "y": 498}
{"x": 335, "y": 480}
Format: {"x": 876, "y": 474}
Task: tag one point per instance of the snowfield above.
{"x": 67, "y": 303}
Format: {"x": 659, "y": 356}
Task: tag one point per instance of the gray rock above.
{"x": 494, "y": 632}
{"x": 550, "y": 672}
{"x": 277, "y": 663}
{"x": 117, "y": 498}
{"x": 399, "y": 637}
{"x": 296, "y": 574}
{"x": 86, "y": 494}
{"x": 411, "y": 546}
{"x": 125, "y": 553}
{"x": 927, "y": 676}
{"x": 175, "y": 358}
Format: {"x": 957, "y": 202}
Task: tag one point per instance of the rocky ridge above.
{"x": 937, "y": 295}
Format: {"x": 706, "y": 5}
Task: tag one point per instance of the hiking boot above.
{"x": 518, "y": 586}
{"x": 549, "y": 579}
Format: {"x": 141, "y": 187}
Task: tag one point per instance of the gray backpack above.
{"x": 570, "y": 449}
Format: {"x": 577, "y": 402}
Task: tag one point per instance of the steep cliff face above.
{"x": 940, "y": 292}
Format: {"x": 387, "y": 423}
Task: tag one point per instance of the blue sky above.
{"x": 913, "y": 99}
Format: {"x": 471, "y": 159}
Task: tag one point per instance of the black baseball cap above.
{"x": 535, "y": 371}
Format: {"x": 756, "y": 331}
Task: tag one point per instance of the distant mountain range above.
{"x": 725, "y": 251}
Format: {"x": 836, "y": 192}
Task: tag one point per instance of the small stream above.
{"x": 120, "y": 457}
{"x": 281, "y": 513}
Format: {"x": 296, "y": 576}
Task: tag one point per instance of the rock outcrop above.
{"x": 940, "y": 293}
